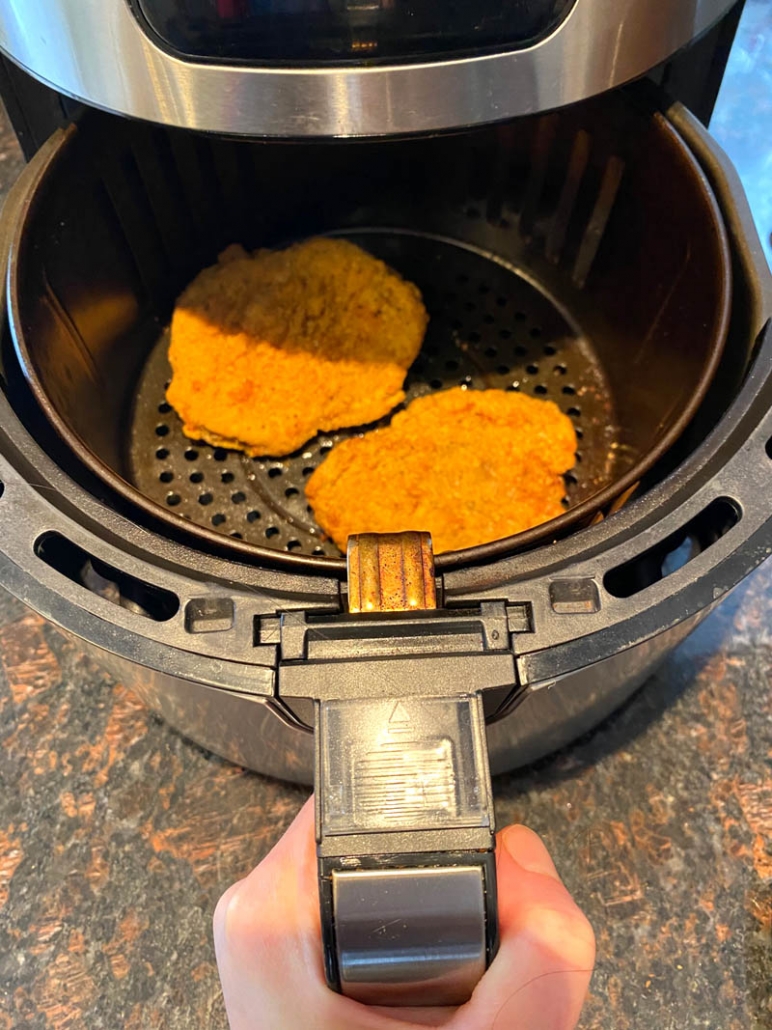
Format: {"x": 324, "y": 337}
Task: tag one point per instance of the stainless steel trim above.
{"x": 410, "y": 936}
{"x": 97, "y": 51}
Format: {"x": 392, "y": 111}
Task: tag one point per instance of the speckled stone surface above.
{"x": 117, "y": 836}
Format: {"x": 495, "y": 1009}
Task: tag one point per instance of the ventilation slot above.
{"x": 677, "y": 550}
{"x": 99, "y": 578}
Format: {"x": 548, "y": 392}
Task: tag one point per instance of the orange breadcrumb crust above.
{"x": 268, "y": 349}
{"x": 469, "y": 466}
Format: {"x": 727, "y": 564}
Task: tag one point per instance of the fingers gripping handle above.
{"x": 404, "y": 819}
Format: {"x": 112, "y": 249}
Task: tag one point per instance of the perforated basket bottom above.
{"x": 489, "y": 327}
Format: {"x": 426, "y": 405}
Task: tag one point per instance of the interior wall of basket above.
{"x": 596, "y": 203}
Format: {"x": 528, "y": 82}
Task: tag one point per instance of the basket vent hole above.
{"x": 294, "y": 545}
{"x": 570, "y": 479}
{"x": 491, "y": 352}
{"x": 535, "y": 333}
{"x": 521, "y": 351}
{"x": 164, "y": 408}
{"x": 769, "y": 447}
{"x": 173, "y": 500}
{"x": 550, "y": 349}
{"x": 675, "y": 551}
{"x": 162, "y": 454}
{"x": 532, "y": 370}
{"x": 319, "y": 551}
{"x": 226, "y": 477}
{"x": 540, "y": 388}
{"x": 502, "y": 370}
{"x": 271, "y": 532}
{"x": 162, "y": 430}
{"x": 205, "y": 499}
{"x": 239, "y": 497}
{"x": 166, "y": 477}
{"x": 574, "y": 412}
{"x": 191, "y": 454}
{"x": 253, "y": 515}
{"x": 113, "y": 585}
{"x": 236, "y": 535}
{"x": 308, "y": 470}
{"x": 274, "y": 472}
{"x": 560, "y": 370}
{"x": 196, "y": 477}
{"x": 218, "y": 519}
{"x": 520, "y": 316}
{"x": 291, "y": 491}
{"x": 569, "y": 391}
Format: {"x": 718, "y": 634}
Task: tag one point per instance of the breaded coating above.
{"x": 469, "y": 466}
{"x": 270, "y": 348}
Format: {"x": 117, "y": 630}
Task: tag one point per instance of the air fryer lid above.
{"x": 579, "y": 257}
{"x": 362, "y": 69}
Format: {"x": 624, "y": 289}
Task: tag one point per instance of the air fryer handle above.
{"x": 405, "y": 844}
{"x": 404, "y": 809}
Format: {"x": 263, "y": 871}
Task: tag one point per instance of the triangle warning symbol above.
{"x": 400, "y": 716}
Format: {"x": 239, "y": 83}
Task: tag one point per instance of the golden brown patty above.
{"x": 270, "y": 348}
{"x": 469, "y": 466}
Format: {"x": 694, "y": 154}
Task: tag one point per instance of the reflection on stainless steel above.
{"x": 553, "y": 714}
{"x": 97, "y": 51}
{"x": 410, "y": 935}
{"x": 249, "y": 731}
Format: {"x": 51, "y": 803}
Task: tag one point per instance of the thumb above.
{"x": 542, "y": 971}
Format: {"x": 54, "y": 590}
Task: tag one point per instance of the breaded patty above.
{"x": 469, "y": 466}
{"x": 270, "y": 348}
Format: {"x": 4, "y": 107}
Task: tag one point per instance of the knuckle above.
{"x": 567, "y": 929}
{"x": 227, "y": 913}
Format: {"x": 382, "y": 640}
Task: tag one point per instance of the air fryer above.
{"x": 600, "y": 255}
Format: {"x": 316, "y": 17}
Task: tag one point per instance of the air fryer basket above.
{"x": 579, "y": 257}
{"x": 202, "y": 626}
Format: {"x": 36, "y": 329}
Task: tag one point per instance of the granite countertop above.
{"x": 117, "y": 836}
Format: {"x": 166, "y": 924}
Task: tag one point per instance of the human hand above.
{"x": 267, "y": 937}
